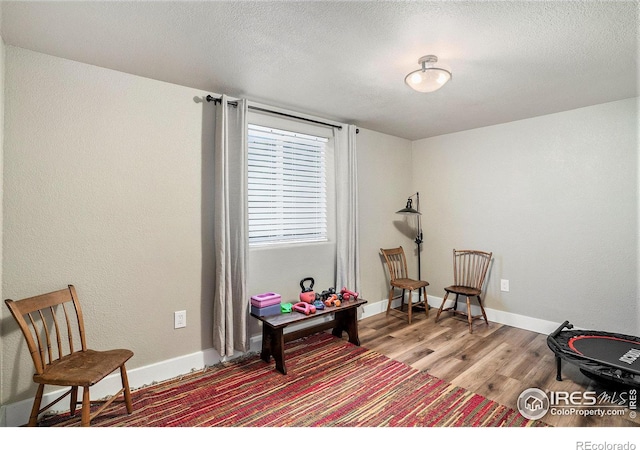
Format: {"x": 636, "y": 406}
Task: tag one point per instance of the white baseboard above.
{"x": 17, "y": 414}
{"x": 503, "y": 317}
{"x": 493, "y": 315}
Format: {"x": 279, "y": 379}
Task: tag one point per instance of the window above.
{"x": 287, "y": 186}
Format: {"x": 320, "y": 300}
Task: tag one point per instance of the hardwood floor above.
{"x": 496, "y": 361}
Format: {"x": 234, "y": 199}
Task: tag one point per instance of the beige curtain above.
{"x": 231, "y": 304}
{"x": 347, "y": 257}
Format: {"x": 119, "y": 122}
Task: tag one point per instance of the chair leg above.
{"x": 441, "y": 306}
{"x": 74, "y": 400}
{"x": 426, "y": 303}
{"x": 127, "y": 392}
{"x": 35, "y": 409}
{"x": 86, "y": 407}
{"x": 410, "y": 305}
{"x": 390, "y": 300}
{"x": 469, "y": 318}
{"x": 482, "y": 309}
{"x": 402, "y": 301}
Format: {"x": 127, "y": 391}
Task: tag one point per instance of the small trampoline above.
{"x": 603, "y": 356}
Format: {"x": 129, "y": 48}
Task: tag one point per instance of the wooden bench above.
{"x": 273, "y": 336}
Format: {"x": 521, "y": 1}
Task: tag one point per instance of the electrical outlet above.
{"x": 179, "y": 319}
{"x": 504, "y": 285}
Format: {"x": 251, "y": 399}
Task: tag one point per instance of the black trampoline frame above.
{"x": 595, "y": 369}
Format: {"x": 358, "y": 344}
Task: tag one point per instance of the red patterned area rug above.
{"x": 330, "y": 383}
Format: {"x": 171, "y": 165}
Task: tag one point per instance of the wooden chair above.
{"x": 50, "y": 323}
{"x": 397, "y": 265}
{"x": 469, "y": 270}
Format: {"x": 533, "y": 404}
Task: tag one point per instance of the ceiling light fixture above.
{"x": 431, "y": 77}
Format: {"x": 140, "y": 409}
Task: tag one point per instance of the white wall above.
{"x": 555, "y": 198}
{"x": 105, "y": 179}
{"x": 384, "y": 184}
{"x": 2, "y": 69}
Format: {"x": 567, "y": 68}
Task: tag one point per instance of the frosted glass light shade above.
{"x": 431, "y": 77}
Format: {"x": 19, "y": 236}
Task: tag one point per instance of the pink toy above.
{"x": 307, "y": 297}
{"x": 304, "y": 308}
{"x": 347, "y": 294}
{"x": 266, "y": 299}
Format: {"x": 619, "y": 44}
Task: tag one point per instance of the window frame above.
{"x": 298, "y": 127}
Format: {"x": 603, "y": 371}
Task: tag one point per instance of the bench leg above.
{"x": 273, "y": 345}
{"x": 347, "y": 320}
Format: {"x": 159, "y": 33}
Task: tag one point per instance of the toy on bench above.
{"x": 267, "y": 304}
{"x": 318, "y": 304}
{"x": 326, "y": 294}
{"x": 332, "y": 300}
{"x": 304, "y": 308}
{"x": 307, "y": 295}
{"x": 347, "y": 294}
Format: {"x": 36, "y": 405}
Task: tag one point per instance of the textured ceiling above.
{"x": 346, "y": 61}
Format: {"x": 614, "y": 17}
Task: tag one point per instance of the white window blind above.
{"x": 286, "y": 186}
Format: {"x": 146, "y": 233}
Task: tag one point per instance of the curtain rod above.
{"x": 211, "y": 98}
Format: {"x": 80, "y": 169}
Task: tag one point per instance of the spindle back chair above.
{"x": 53, "y": 327}
{"x": 469, "y": 271}
{"x": 399, "y": 279}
